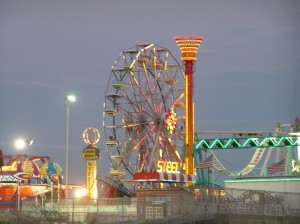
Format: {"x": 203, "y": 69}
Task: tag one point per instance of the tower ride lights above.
{"x": 189, "y": 46}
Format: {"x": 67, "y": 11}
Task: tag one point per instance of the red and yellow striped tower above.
{"x": 189, "y": 46}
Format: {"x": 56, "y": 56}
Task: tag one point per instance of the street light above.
{"x": 21, "y": 144}
{"x": 69, "y": 99}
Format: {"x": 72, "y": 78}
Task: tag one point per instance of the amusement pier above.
{"x": 162, "y": 170}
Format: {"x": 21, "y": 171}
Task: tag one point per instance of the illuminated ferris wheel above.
{"x": 144, "y": 110}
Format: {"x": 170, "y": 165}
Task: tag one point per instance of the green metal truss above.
{"x": 243, "y": 143}
{"x": 240, "y": 142}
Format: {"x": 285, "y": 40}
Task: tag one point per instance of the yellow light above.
{"x": 188, "y": 46}
{"x": 79, "y": 193}
{"x": 171, "y": 121}
{"x": 132, "y": 64}
{"x": 167, "y": 167}
{"x": 149, "y": 46}
{"x": 186, "y": 109}
{"x": 95, "y": 193}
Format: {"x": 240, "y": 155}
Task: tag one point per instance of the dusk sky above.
{"x": 247, "y": 76}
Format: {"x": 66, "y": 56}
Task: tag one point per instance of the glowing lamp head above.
{"x": 20, "y": 143}
{"x": 70, "y": 98}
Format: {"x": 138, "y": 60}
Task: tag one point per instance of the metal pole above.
{"x": 298, "y": 153}
{"x": 97, "y": 210}
{"x": 19, "y": 201}
{"x": 58, "y": 192}
{"x": 67, "y": 151}
{"x": 73, "y": 211}
{"x": 51, "y": 185}
{"x": 213, "y": 182}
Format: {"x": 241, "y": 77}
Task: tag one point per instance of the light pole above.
{"x": 69, "y": 99}
{"x": 20, "y": 144}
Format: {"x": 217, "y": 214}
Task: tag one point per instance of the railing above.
{"x": 209, "y": 203}
{"x": 255, "y": 202}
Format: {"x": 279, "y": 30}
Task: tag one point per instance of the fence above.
{"x": 209, "y": 202}
{"x": 256, "y": 202}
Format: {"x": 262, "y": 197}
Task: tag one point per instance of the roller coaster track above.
{"x": 246, "y": 143}
{"x": 251, "y": 165}
{"x": 258, "y": 142}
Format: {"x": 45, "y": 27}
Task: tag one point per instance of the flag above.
{"x": 277, "y": 167}
{"x": 208, "y": 162}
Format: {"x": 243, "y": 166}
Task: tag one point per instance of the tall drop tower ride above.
{"x": 189, "y": 46}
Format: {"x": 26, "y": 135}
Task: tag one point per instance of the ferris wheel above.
{"x": 143, "y": 114}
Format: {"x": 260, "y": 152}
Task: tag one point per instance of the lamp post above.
{"x": 69, "y": 99}
{"x": 20, "y": 144}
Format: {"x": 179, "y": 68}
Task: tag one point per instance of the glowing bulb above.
{"x": 71, "y": 98}
{"x": 20, "y": 143}
{"x": 79, "y": 193}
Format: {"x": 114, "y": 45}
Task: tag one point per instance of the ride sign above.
{"x": 167, "y": 166}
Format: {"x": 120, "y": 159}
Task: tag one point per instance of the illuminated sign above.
{"x": 167, "y": 167}
{"x": 91, "y": 171}
{"x": 91, "y": 153}
{"x": 91, "y": 136}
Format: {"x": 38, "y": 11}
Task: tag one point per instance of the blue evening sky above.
{"x": 247, "y": 76}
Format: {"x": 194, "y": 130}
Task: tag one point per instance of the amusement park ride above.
{"x": 147, "y": 124}
{"x": 148, "y": 121}
{"x": 24, "y": 176}
{"x": 264, "y": 144}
